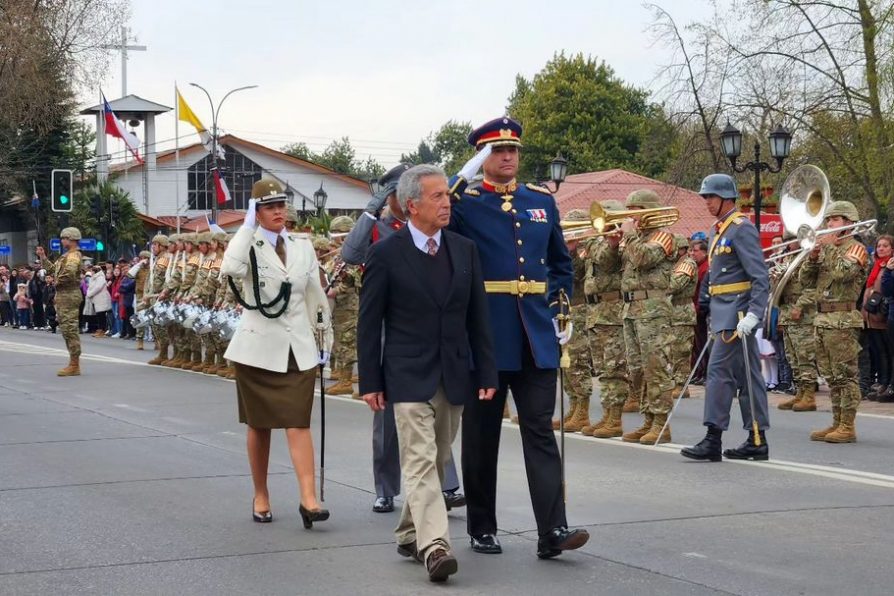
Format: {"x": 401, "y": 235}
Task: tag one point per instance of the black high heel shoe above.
{"x": 261, "y": 517}
{"x": 309, "y": 516}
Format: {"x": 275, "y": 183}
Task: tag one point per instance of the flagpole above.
{"x": 177, "y": 153}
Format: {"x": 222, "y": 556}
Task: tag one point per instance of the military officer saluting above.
{"x": 525, "y": 263}
{"x": 67, "y": 271}
{"x": 737, "y": 293}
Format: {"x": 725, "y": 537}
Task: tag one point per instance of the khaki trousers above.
{"x": 425, "y": 433}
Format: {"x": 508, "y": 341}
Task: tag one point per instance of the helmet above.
{"x": 71, "y": 234}
{"x": 612, "y": 205}
{"x": 644, "y": 198}
{"x": 175, "y": 238}
{"x": 698, "y": 236}
{"x": 145, "y": 254}
{"x": 680, "y": 241}
{"x": 267, "y": 190}
{"x": 191, "y": 238}
{"x": 291, "y": 214}
{"x": 577, "y": 215}
{"x": 845, "y": 209}
{"x": 161, "y": 239}
{"x": 204, "y": 237}
{"x": 722, "y": 185}
{"x": 321, "y": 243}
{"x": 342, "y": 223}
{"x": 219, "y": 237}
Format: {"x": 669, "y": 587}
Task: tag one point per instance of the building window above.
{"x": 238, "y": 171}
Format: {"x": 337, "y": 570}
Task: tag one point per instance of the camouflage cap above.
{"x": 161, "y": 240}
{"x": 191, "y": 238}
{"x": 70, "y": 234}
{"x": 174, "y": 238}
{"x": 612, "y": 205}
{"x": 845, "y": 209}
{"x": 204, "y": 237}
{"x": 577, "y": 215}
{"x": 643, "y": 198}
{"x": 219, "y": 237}
{"x": 145, "y": 254}
{"x": 342, "y": 223}
{"x": 680, "y": 241}
{"x": 321, "y": 243}
{"x": 291, "y": 214}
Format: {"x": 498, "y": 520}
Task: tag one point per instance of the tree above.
{"x": 118, "y": 235}
{"x": 339, "y": 156}
{"x": 577, "y": 106}
{"x": 299, "y": 150}
{"x": 447, "y": 147}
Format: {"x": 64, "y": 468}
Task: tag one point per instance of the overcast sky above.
{"x": 383, "y": 73}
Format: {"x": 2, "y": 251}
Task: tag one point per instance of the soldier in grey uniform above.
{"x": 371, "y": 227}
{"x": 737, "y": 293}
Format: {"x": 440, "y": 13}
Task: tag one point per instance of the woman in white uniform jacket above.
{"x": 276, "y": 359}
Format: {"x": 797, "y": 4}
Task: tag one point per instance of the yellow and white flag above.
{"x": 185, "y": 114}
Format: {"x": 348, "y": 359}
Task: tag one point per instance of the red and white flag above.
{"x": 220, "y": 186}
{"x": 115, "y": 128}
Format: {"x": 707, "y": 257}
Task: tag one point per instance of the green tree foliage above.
{"x": 119, "y": 234}
{"x": 577, "y": 106}
{"x": 339, "y": 156}
{"x": 447, "y": 147}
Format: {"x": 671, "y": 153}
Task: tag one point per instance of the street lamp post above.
{"x": 780, "y": 147}
{"x": 320, "y": 198}
{"x": 214, "y": 114}
{"x": 558, "y": 167}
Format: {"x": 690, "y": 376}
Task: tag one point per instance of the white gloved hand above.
{"x": 563, "y": 336}
{"x": 470, "y": 170}
{"x": 747, "y": 325}
{"x": 323, "y": 359}
{"x": 251, "y": 220}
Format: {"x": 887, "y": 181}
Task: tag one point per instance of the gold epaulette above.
{"x": 542, "y": 189}
{"x": 663, "y": 239}
{"x": 686, "y": 268}
{"x": 857, "y": 253}
{"x": 473, "y": 192}
{"x": 217, "y": 263}
{"x": 206, "y": 264}
{"x": 193, "y": 260}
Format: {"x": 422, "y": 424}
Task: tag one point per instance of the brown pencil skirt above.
{"x": 269, "y": 399}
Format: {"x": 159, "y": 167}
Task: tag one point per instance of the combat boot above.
{"x": 572, "y": 409}
{"x": 635, "y": 435}
{"x": 631, "y": 405}
{"x": 650, "y": 437}
{"x": 161, "y": 356}
{"x": 231, "y": 372}
{"x": 588, "y": 431}
{"x": 222, "y": 371}
{"x": 72, "y": 370}
{"x": 787, "y": 404}
{"x": 344, "y": 385}
{"x": 820, "y": 435}
{"x": 749, "y": 450}
{"x": 612, "y": 426}
{"x": 807, "y": 403}
{"x": 581, "y": 416}
{"x": 140, "y": 344}
{"x": 708, "y": 449}
{"x": 196, "y": 364}
{"x": 173, "y": 359}
{"x": 846, "y": 431}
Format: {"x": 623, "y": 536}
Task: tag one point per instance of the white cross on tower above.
{"x": 123, "y": 47}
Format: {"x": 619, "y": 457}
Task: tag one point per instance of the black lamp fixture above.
{"x": 780, "y": 148}
{"x": 558, "y": 167}
{"x": 320, "y": 197}
{"x": 374, "y": 186}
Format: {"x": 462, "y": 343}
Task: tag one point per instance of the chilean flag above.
{"x": 115, "y": 128}
{"x": 220, "y": 187}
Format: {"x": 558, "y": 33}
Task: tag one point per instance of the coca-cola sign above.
{"x": 773, "y": 226}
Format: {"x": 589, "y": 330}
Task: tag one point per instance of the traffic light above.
{"x": 96, "y": 206}
{"x": 61, "y": 189}
{"x": 100, "y": 246}
{"x": 113, "y": 213}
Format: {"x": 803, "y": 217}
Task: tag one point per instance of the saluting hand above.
{"x": 375, "y": 401}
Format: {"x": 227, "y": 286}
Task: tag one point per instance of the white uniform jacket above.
{"x": 265, "y": 343}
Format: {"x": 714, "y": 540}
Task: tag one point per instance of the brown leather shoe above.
{"x": 440, "y": 565}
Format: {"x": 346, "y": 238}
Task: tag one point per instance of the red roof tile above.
{"x": 580, "y": 190}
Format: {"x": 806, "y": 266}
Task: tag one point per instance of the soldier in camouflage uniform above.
{"x": 140, "y": 274}
{"x": 192, "y": 341}
{"x": 67, "y": 271}
{"x": 345, "y": 290}
{"x": 225, "y": 300}
{"x": 208, "y": 298}
{"x": 683, "y": 285}
{"x": 797, "y": 309}
{"x": 198, "y": 295}
{"x": 605, "y": 331}
{"x": 579, "y": 376}
{"x": 169, "y": 293}
{"x": 836, "y": 270}
{"x": 158, "y": 269}
{"x": 647, "y": 259}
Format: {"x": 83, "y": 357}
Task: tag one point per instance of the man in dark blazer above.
{"x": 424, "y": 345}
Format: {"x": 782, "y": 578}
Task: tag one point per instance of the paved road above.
{"x": 133, "y": 480}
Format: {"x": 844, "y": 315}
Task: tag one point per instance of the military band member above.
{"x": 169, "y": 293}
{"x": 647, "y": 260}
{"x": 199, "y": 295}
{"x": 191, "y": 276}
{"x": 683, "y": 286}
{"x": 737, "y": 292}
{"x": 579, "y": 376}
{"x": 344, "y": 290}
{"x": 605, "y": 329}
{"x": 797, "y": 309}
{"x": 140, "y": 274}
{"x": 836, "y": 270}
{"x": 67, "y": 271}
{"x": 372, "y": 226}
{"x": 225, "y": 300}
{"x": 523, "y": 254}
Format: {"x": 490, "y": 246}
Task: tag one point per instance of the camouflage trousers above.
{"x": 800, "y": 349}
{"x": 681, "y": 352}
{"x": 648, "y": 344}
{"x": 579, "y": 375}
{"x": 160, "y": 332}
{"x": 345, "y": 349}
{"x": 67, "y": 310}
{"x": 209, "y": 342}
{"x": 610, "y": 363}
{"x": 837, "y": 351}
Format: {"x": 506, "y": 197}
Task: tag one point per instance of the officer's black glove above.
{"x": 374, "y": 207}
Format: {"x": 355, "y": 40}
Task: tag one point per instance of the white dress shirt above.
{"x": 421, "y": 240}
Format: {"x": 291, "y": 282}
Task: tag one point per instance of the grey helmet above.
{"x": 722, "y": 185}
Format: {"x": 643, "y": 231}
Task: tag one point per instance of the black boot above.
{"x": 748, "y": 450}
{"x": 708, "y": 449}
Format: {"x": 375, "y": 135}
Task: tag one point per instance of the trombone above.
{"x": 603, "y": 222}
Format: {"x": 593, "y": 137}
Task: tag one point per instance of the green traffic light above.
{"x": 63, "y": 199}
{"x": 100, "y": 245}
